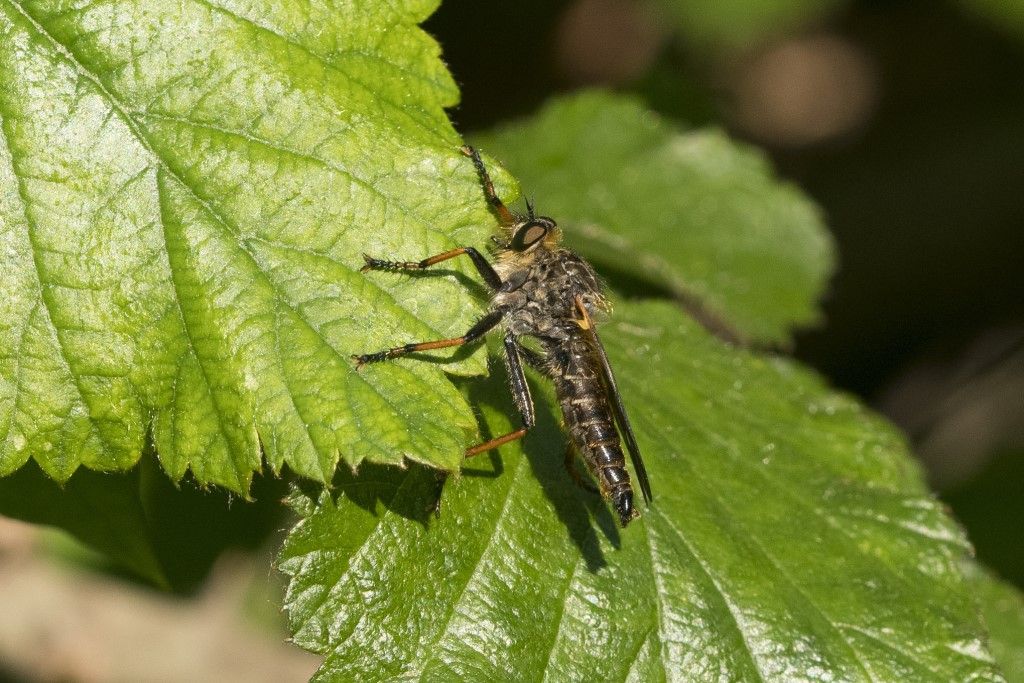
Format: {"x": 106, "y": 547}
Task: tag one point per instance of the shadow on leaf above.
{"x": 578, "y": 510}
{"x": 415, "y": 491}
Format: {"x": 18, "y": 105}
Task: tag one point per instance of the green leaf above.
{"x": 1005, "y": 15}
{"x": 790, "y": 538}
{"x": 732, "y": 24}
{"x": 169, "y": 535}
{"x": 185, "y": 191}
{"x": 693, "y": 212}
{"x": 1003, "y": 607}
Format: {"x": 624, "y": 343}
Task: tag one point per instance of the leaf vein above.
{"x": 396, "y": 107}
{"x": 719, "y": 590}
{"x": 290, "y": 151}
{"x": 562, "y": 600}
{"x": 186, "y": 328}
{"x": 40, "y": 280}
{"x": 472, "y": 573}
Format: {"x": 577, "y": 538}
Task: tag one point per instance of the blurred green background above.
{"x": 904, "y": 121}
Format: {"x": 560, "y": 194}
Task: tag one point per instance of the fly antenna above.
{"x": 529, "y": 208}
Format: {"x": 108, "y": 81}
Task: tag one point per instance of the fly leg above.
{"x": 435, "y": 506}
{"x": 482, "y": 327}
{"x": 574, "y": 473}
{"x": 504, "y": 215}
{"x": 520, "y": 396}
{"x": 482, "y": 266}
{"x": 533, "y": 359}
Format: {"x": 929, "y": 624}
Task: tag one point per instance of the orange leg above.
{"x": 482, "y": 266}
{"x": 478, "y": 330}
{"x": 504, "y": 215}
{"x": 494, "y": 443}
{"x": 520, "y": 395}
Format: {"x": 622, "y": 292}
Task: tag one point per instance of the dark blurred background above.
{"x": 903, "y": 120}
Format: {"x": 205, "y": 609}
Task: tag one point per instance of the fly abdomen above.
{"x": 590, "y": 423}
{"x": 606, "y": 461}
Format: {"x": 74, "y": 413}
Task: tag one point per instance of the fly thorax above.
{"x": 539, "y": 296}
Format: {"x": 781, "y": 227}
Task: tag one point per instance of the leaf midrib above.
{"x": 832, "y": 522}
{"x": 719, "y": 591}
{"x": 200, "y": 361}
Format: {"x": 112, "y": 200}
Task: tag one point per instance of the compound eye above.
{"x": 531, "y": 234}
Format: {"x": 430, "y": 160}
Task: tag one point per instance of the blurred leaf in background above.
{"x": 691, "y": 212}
{"x": 1005, "y": 15}
{"x": 990, "y": 505}
{"x": 740, "y": 23}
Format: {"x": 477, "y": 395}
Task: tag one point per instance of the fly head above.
{"x": 531, "y": 234}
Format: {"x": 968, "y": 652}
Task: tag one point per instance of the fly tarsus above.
{"x": 504, "y": 215}
{"x": 372, "y": 263}
{"x": 435, "y": 504}
{"x": 485, "y": 269}
{"x": 482, "y": 327}
{"x": 387, "y": 354}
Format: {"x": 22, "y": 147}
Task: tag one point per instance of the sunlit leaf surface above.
{"x": 185, "y": 192}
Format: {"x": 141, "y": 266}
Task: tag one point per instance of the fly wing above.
{"x": 615, "y": 399}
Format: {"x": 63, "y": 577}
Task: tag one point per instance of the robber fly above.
{"x": 545, "y": 293}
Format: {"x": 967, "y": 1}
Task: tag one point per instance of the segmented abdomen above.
{"x": 591, "y": 426}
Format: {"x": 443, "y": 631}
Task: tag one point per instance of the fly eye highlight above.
{"x": 531, "y": 234}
